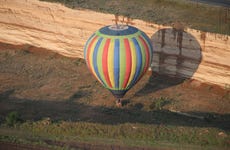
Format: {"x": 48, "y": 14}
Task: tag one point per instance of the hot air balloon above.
{"x": 118, "y": 56}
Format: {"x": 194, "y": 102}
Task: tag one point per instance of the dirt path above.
{"x": 13, "y": 146}
{"x": 77, "y": 146}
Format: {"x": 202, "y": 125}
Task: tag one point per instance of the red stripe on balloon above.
{"x": 128, "y": 62}
{"x": 146, "y": 53}
{"x": 105, "y": 62}
{"x": 88, "y": 52}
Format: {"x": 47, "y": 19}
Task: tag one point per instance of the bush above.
{"x": 12, "y": 118}
{"x": 159, "y": 103}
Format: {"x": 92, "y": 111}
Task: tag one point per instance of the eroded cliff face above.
{"x": 187, "y": 53}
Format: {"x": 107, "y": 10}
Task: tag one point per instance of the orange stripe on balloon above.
{"x": 128, "y": 62}
{"x": 105, "y": 62}
{"x": 146, "y": 54}
{"x": 88, "y": 52}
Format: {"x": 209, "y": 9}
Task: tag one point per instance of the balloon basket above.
{"x": 118, "y": 102}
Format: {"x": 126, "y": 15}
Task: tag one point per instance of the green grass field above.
{"x": 127, "y": 134}
{"x": 203, "y": 17}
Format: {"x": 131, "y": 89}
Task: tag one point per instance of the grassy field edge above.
{"x": 66, "y": 134}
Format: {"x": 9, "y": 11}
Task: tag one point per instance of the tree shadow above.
{"x": 65, "y": 110}
{"x": 176, "y": 57}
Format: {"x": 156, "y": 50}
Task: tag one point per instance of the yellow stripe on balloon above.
{"x": 134, "y": 59}
{"x": 99, "y": 60}
{"x": 111, "y": 62}
{"x": 91, "y": 50}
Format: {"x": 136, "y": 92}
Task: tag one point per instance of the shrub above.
{"x": 12, "y": 118}
{"x": 159, "y": 103}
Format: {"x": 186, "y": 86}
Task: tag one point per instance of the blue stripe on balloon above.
{"x": 149, "y": 44}
{"x": 86, "y": 45}
{"x": 116, "y": 62}
{"x": 138, "y": 61}
{"x": 147, "y": 38}
{"x": 95, "y": 58}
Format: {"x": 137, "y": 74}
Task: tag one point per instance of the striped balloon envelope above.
{"x": 118, "y": 56}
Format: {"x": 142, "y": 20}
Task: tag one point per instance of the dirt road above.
{"x": 75, "y": 146}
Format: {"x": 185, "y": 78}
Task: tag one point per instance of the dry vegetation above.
{"x": 203, "y": 17}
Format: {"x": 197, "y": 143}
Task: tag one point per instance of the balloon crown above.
{"x": 118, "y": 30}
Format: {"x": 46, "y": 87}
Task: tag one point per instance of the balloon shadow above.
{"x": 176, "y": 57}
